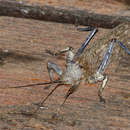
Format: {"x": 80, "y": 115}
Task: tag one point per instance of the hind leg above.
{"x": 81, "y": 49}
{"x": 99, "y": 75}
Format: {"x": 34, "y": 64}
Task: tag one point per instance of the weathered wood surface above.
{"x": 58, "y": 14}
{"x": 23, "y": 42}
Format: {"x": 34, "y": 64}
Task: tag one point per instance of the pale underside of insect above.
{"x": 75, "y": 73}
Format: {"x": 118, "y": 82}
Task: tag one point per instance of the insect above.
{"x": 75, "y": 73}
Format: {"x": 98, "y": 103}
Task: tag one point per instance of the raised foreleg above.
{"x": 66, "y": 49}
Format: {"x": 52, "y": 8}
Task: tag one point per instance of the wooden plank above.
{"x": 58, "y": 14}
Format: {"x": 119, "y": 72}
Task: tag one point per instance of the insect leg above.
{"x": 99, "y": 75}
{"x": 89, "y": 28}
{"x": 64, "y": 50}
{"x": 81, "y": 49}
{"x": 106, "y": 57}
{"x": 60, "y": 51}
{"x": 104, "y": 82}
{"x": 43, "y": 100}
{"x": 102, "y": 69}
{"x": 96, "y": 78}
{"x": 52, "y": 67}
{"x": 124, "y": 47}
{"x": 70, "y": 91}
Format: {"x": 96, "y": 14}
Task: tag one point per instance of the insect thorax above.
{"x": 73, "y": 73}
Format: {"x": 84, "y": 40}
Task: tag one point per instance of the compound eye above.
{"x": 71, "y": 48}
